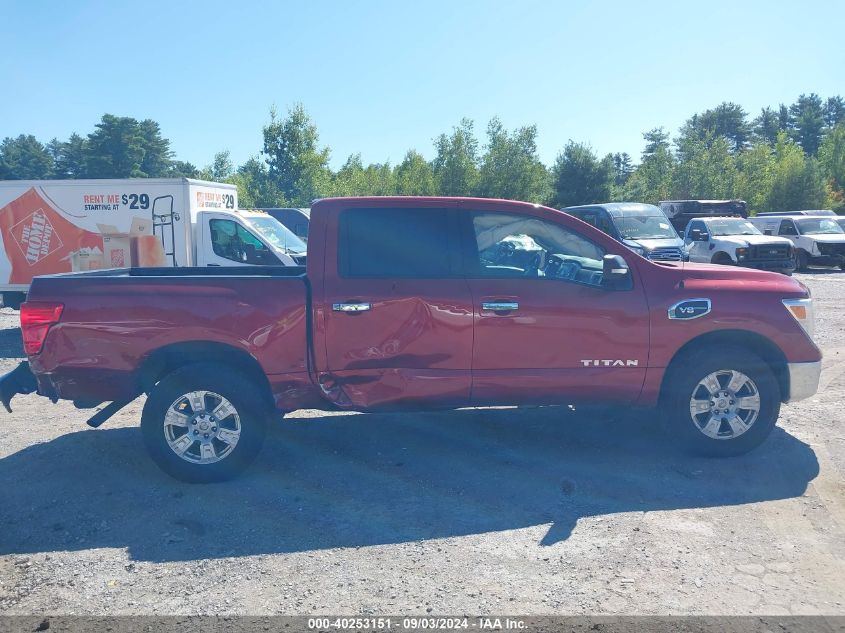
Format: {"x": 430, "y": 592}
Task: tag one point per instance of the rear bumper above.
{"x": 803, "y": 380}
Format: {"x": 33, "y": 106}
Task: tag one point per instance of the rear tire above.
{"x": 204, "y": 423}
{"x": 734, "y": 414}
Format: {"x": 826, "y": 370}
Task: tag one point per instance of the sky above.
{"x": 381, "y": 77}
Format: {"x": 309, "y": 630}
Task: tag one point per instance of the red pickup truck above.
{"x": 421, "y": 303}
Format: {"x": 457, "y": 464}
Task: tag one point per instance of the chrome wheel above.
{"x": 724, "y": 404}
{"x": 202, "y": 427}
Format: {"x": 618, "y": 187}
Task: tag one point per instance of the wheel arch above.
{"x": 747, "y": 340}
{"x": 721, "y": 255}
{"x": 169, "y": 358}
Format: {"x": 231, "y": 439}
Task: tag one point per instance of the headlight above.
{"x": 802, "y": 311}
{"x": 638, "y": 250}
{"x": 741, "y": 253}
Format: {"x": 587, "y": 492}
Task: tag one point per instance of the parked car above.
{"x": 296, "y": 220}
{"x": 405, "y": 304}
{"x": 681, "y": 212}
{"x": 737, "y": 242}
{"x": 641, "y": 227}
{"x": 817, "y": 240}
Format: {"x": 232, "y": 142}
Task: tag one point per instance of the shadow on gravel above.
{"x": 358, "y": 480}
{"x": 11, "y": 343}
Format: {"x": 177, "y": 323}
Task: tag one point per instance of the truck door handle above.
{"x": 500, "y": 306}
{"x": 351, "y": 307}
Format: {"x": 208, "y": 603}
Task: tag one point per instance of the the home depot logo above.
{"x": 36, "y": 237}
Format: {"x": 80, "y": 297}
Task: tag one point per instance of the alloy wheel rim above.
{"x": 724, "y": 404}
{"x": 202, "y": 427}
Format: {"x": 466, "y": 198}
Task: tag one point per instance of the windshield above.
{"x": 644, "y": 227}
{"x": 732, "y": 227}
{"x": 278, "y": 235}
{"x": 818, "y": 226}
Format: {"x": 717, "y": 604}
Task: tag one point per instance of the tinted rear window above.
{"x": 395, "y": 243}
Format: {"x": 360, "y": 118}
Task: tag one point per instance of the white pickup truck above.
{"x": 737, "y": 242}
{"x": 817, "y": 240}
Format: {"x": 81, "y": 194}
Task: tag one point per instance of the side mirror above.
{"x": 615, "y": 273}
{"x": 697, "y": 235}
{"x": 767, "y": 232}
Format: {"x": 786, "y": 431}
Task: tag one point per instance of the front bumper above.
{"x": 803, "y": 380}
{"x": 827, "y": 260}
{"x": 773, "y": 265}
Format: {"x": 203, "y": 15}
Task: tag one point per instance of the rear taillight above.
{"x": 36, "y": 319}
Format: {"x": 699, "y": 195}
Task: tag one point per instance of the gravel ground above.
{"x": 529, "y": 511}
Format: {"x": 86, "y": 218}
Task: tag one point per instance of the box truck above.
{"x": 56, "y": 226}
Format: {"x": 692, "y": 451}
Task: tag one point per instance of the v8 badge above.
{"x": 690, "y": 309}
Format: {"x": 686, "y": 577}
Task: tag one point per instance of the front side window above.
{"x": 278, "y": 235}
{"x": 396, "y": 243}
{"x": 787, "y": 228}
{"x": 232, "y": 241}
{"x": 523, "y": 246}
{"x": 598, "y": 220}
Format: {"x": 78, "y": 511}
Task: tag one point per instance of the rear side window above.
{"x": 380, "y": 243}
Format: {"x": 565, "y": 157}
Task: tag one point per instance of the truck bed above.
{"x": 121, "y": 327}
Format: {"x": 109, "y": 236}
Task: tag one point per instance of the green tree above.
{"x": 727, "y": 120}
{"x": 706, "y": 168}
{"x": 24, "y": 158}
{"x": 656, "y": 139}
{"x": 652, "y": 180}
{"x": 766, "y": 126}
{"x": 115, "y": 149}
{"x": 414, "y": 176}
{"x": 157, "y": 154}
{"x": 69, "y": 157}
{"x": 755, "y": 168}
{"x": 456, "y": 162}
{"x": 350, "y": 179}
{"x": 579, "y": 177}
{"x": 510, "y": 167}
{"x": 806, "y": 117}
{"x": 182, "y": 169}
{"x": 623, "y": 167}
{"x": 255, "y": 187}
{"x": 298, "y": 167}
{"x": 834, "y": 111}
{"x": 797, "y": 179}
{"x": 221, "y": 168}
{"x": 832, "y": 159}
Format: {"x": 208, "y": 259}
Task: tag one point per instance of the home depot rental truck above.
{"x": 56, "y": 226}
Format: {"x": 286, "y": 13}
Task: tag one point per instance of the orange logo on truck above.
{"x": 36, "y": 237}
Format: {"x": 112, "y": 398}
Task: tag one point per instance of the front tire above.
{"x": 204, "y": 423}
{"x": 802, "y": 261}
{"x": 721, "y": 404}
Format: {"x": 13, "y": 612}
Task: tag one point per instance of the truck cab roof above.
{"x": 619, "y": 209}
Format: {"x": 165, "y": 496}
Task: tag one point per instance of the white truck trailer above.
{"x": 55, "y": 226}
